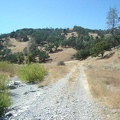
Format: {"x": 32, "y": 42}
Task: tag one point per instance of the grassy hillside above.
{"x": 37, "y": 45}
{"x": 16, "y": 46}
{"x": 104, "y": 78}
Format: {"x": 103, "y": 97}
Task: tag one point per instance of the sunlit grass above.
{"x": 105, "y": 84}
{"x": 7, "y": 68}
{"x": 31, "y": 73}
{"x": 4, "y": 97}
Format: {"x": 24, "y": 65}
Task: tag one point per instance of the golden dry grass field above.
{"x": 65, "y": 55}
{"x": 56, "y": 72}
{"x": 17, "y": 46}
{"x": 103, "y": 76}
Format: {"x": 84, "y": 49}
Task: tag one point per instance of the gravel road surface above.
{"x": 67, "y": 99}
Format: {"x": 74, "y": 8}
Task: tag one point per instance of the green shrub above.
{"x": 4, "y": 102}
{"x": 82, "y": 54}
{"x": 31, "y": 73}
{"x": 61, "y": 63}
{"x": 3, "y": 82}
{"x": 4, "y": 97}
{"x": 99, "y": 48}
{"x": 43, "y": 55}
{"x": 30, "y": 58}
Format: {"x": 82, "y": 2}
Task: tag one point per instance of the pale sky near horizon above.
{"x": 18, "y": 14}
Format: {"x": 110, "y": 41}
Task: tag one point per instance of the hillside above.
{"x": 42, "y": 43}
{"x": 104, "y": 78}
{"x": 65, "y": 55}
{"x": 69, "y": 89}
{"x": 16, "y": 46}
{"x": 87, "y": 86}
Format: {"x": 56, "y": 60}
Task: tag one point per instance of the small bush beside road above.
{"x": 31, "y": 73}
{"x": 61, "y": 63}
{"x": 4, "y": 97}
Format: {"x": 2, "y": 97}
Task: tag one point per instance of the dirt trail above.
{"x": 68, "y": 99}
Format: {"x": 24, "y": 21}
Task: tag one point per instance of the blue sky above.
{"x": 17, "y": 14}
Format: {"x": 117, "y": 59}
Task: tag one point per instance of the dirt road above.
{"x": 67, "y": 99}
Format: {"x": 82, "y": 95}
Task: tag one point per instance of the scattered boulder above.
{"x": 13, "y": 84}
{"x": 9, "y": 114}
{"x": 17, "y": 82}
{"x": 61, "y": 63}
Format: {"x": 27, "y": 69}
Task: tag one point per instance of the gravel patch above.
{"x": 63, "y": 100}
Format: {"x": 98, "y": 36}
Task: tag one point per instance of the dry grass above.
{"x": 56, "y": 72}
{"x": 105, "y": 84}
{"x": 65, "y": 55}
{"x": 104, "y": 80}
{"x": 17, "y": 46}
{"x": 7, "y": 68}
{"x": 74, "y": 76}
{"x": 71, "y": 34}
{"x": 94, "y": 35}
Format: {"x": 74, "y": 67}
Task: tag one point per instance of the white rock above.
{"x": 17, "y": 82}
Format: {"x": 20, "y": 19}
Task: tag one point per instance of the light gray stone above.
{"x": 17, "y": 82}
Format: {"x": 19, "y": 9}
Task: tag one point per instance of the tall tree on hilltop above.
{"x": 112, "y": 22}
